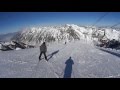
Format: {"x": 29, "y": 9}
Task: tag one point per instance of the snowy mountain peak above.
{"x": 65, "y": 32}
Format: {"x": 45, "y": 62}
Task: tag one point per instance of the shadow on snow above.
{"x": 68, "y": 68}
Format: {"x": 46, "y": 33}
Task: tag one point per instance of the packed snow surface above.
{"x": 75, "y": 59}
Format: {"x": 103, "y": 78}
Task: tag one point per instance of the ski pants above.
{"x": 44, "y": 55}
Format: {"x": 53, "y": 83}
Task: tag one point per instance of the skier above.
{"x": 43, "y": 50}
{"x": 65, "y": 42}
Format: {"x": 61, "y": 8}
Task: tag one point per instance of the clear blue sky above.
{"x": 14, "y": 21}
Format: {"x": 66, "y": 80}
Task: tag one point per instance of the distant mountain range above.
{"x": 65, "y": 32}
{"x": 7, "y": 37}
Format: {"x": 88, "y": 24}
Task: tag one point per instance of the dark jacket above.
{"x": 43, "y": 48}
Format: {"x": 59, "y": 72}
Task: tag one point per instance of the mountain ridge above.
{"x": 66, "y": 33}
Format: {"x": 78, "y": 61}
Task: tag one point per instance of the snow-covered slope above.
{"x": 86, "y": 61}
{"x": 66, "y": 32}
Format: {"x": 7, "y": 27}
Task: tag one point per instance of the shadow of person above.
{"x": 68, "y": 68}
{"x": 51, "y": 55}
